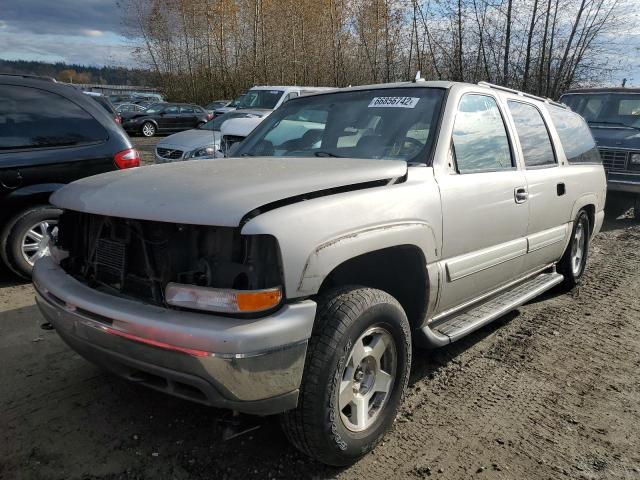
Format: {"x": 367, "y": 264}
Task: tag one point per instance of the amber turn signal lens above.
{"x": 258, "y": 300}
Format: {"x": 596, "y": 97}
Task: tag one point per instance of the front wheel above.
{"x": 356, "y": 371}
{"x": 148, "y": 129}
{"x": 574, "y": 260}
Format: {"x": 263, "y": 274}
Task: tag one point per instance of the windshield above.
{"x": 398, "y": 124}
{"x": 260, "y": 99}
{"x": 216, "y": 123}
{"x": 614, "y": 109}
{"x": 156, "y": 108}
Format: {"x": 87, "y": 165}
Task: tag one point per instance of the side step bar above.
{"x": 449, "y": 329}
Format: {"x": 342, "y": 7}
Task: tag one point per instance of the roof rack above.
{"x": 38, "y": 77}
{"x": 523, "y": 94}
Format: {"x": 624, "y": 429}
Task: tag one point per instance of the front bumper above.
{"x": 623, "y": 182}
{"x": 249, "y": 365}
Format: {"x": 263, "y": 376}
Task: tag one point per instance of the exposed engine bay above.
{"x": 137, "y": 258}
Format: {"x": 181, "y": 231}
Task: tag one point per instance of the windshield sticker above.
{"x": 394, "y": 102}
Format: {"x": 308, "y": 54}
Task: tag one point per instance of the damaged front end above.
{"x": 171, "y": 265}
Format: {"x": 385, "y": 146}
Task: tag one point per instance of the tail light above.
{"x": 127, "y": 159}
{"x": 118, "y": 119}
{"x": 209, "y": 116}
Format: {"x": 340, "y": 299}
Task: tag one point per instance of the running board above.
{"x": 449, "y": 329}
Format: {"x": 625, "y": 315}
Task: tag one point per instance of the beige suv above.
{"x": 295, "y": 278}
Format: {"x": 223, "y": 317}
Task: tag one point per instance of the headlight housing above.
{"x": 224, "y": 300}
{"x": 204, "y": 152}
{"x": 634, "y": 161}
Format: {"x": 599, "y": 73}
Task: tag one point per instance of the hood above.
{"x": 216, "y": 193}
{"x": 240, "y": 127}
{"x": 616, "y": 137}
{"x": 190, "y": 139}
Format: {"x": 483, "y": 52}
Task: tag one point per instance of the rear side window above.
{"x": 480, "y": 139}
{"x": 186, "y": 109}
{"x": 575, "y": 136}
{"x": 34, "y": 118}
{"x": 533, "y": 134}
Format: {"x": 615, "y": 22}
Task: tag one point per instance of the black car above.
{"x": 165, "y": 118}
{"x": 50, "y": 134}
{"x": 614, "y": 117}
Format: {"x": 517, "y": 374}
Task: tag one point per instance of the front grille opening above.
{"x": 614, "y": 160}
{"x": 136, "y": 259}
{"x": 169, "y": 153}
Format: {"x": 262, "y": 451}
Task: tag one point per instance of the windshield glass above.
{"x": 398, "y": 124}
{"x": 260, "y": 99}
{"x": 216, "y": 123}
{"x": 156, "y": 108}
{"x": 614, "y": 109}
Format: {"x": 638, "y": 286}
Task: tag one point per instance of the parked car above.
{"x": 614, "y": 117}
{"x": 165, "y": 118}
{"x": 235, "y": 130}
{"x": 270, "y": 98}
{"x": 201, "y": 143}
{"x": 295, "y": 278}
{"x": 107, "y": 105}
{"x": 129, "y": 107}
{"x": 50, "y": 134}
{"x": 229, "y": 107}
{"x": 213, "y": 106}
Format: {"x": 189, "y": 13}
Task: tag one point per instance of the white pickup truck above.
{"x": 295, "y": 278}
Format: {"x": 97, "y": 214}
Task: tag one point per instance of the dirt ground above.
{"x": 551, "y": 391}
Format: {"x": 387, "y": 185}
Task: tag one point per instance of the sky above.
{"x": 89, "y": 32}
{"x": 86, "y": 32}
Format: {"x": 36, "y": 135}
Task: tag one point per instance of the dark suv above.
{"x": 165, "y": 118}
{"x": 614, "y": 117}
{"x": 50, "y": 134}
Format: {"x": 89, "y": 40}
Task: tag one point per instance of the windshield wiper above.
{"x": 321, "y": 153}
{"x": 604, "y": 122}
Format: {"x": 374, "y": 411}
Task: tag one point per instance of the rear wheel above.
{"x": 636, "y": 208}
{"x": 356, "y": 371}
{"x": 26, "y": 238}
{"x": 148, "y": 129}
{"x": 574, "y": 260}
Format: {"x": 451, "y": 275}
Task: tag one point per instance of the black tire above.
{"x": 315, "y": 427}
{"x": 148, "y": 129}
{"x": 14, "y": 232}
{"x": 636, "y": 208}
{"x": 567, "y": 265}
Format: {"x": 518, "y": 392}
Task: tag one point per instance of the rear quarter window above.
{"x": 34, "y": 118}
{"x": 575, "y": 136}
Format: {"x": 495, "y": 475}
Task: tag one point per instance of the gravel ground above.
{"x": 146, "y": 147}
{"x": 550, "y": 391}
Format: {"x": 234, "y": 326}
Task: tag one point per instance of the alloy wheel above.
{"x": 367, "y": 379}
{"x": 35, "y": 242}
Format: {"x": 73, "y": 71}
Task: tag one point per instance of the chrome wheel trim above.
{"x": 578, "y": 249}
{"x": 148, "y": 130}
{"x": 35, "y": 242}
{"x": 367, "y": 379}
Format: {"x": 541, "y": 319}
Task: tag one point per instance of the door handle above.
{"x": 521, "y": 195}
{"x": 561, "y": 189}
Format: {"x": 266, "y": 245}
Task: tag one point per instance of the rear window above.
{"x": 34, "y": 118}
{"x": 575, "y": 136}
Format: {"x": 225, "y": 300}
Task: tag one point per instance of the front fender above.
{"x": 330, "y": 254}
